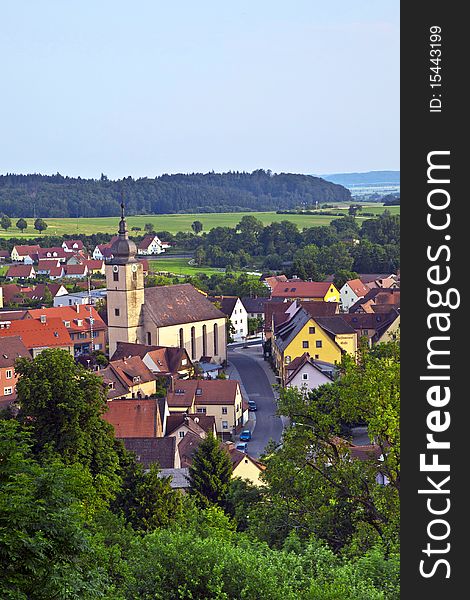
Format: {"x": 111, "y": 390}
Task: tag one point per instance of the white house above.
{"x": 304, "y": 374}
{"x": 24, "y": 254}
{"x": 80, "y": 298}
{"x": 73, "y": 246}
{"x": 234, "y": 309}
{"x": 351, "y": 292}
{"x": 151, "y": 244}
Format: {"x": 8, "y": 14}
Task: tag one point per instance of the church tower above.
{"x": 125, "y": 284}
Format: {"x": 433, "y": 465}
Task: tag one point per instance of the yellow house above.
{"x": 312, "y": 291}
{"x": 129, "y": 378}
{"x": 245, "y": 466}
{"x": 324, "y": 338}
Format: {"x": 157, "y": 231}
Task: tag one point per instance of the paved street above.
{"x": 254, "y": 376}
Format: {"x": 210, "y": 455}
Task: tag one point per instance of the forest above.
{"x": 45, "y": 196}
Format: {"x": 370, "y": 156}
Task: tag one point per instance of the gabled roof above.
{"x": 320, "y": 309}
{"x": 301, "y": 289}
{"x": 203, "y": 392}
{"x": 357, "y": 287}
{"x": 334, "y": 325}
{"x": 153, "y": 450}
{"x": 77, "y": 316}
{"x": 197, "y": 423}
{"x": 236, "y": 457}
{"x": 27, "y": 250}
{"x": 20, "y": 271}
{"x": 47, "y": 263}
{"x": 227, "y": 303}
{"x": 132, "y": 418}
{"x": 93, "y": 264}
{"x": 178, "y": 304}
{"x": 148, "y": 239}
{"x": 168, "y": 359}
{"x": 76, "y": 269}
{"x": 58, "y": 251}
{"x": 371, "y": 320}
{"x": 35, "y": 334}
{"x": 187, "y": 447}
{"x": 11, "y": 349}
{"x": 71, "y": 243}
{"x": 287, "y": 331}
{"x": 378, "y": 296}
{"x": 298, "y": 363}
{"x": 254, "y": 305}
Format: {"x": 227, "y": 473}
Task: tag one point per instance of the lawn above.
{"x": 180, "y": 266}
{"x": 175, "y": 223}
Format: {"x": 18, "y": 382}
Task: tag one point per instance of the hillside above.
{"x": 368, "y": 178}
{"x": 59, "y": 196}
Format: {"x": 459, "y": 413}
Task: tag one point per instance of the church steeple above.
{"x": 123, "y": 249}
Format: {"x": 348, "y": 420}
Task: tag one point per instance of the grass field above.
{"x": 175, "y": 223}
{"x": 180, "y": 266}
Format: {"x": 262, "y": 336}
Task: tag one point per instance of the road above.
{"x": 259, "y": 389}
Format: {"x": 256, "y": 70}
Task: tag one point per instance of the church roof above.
{"x": 179, "y": 304}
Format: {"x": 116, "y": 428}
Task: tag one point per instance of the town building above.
{"x": 315, "y": 291}
{"x": 12, "y": 348}
{"x": 128, "y": 378}
{"x": 177, "y": 315}
{"x": 350, "y": 293}
{"x": 150, "y": 245}
{"x": 306, "y": 374}
{"x": 235, "y": 311}
{"x": 37, "y": 335}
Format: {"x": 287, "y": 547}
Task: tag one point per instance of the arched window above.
{"x": 204, "y": 340}
{"x": 181, "y": 338}
{"x": 216, "y": 339}
{"x": 193, "y": 342}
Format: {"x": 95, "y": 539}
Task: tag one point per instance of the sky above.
{"x": 148, "y": 87}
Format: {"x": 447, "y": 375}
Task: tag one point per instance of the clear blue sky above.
{"x": 150, "y": 86}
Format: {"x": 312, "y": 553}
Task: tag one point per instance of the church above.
{"x": 172, "y": 315}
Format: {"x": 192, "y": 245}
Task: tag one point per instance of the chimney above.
{"x": 78, "y": 307}
{"x": 229, "y": 446}
{"x": 42, "y": 318}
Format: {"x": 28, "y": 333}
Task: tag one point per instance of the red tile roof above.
{"x": 21, "y": 271}
{"x": 132, "y": 418}
{"x": 27, "y": 250}
{"x": 301, "y": 289}
{"x": 76, "y": 270}
{"x": 358, "y": 287}
{"x": 73, "y": 315}
{"x": 203, "y": 391}
{"x": 35, "y": 334}
{"x": 11, "y": 349}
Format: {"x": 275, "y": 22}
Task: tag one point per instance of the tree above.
{"x": 5, "y": 222}
{"x": 342, "y": 276}
{"x": 21, "y": 224}
{"x": 64, "y": 402}
{"x": 40, "y": 225}
{"x": 210, "y": 472}
{"x": 197, "y": 227}
{"x": 47, "y": 298}
{"x": 148, "y": 227}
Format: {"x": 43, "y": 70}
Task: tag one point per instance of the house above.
{"x": 151, "y": 244}
{"x": 245, "y": 466}
{"x": 235, "y": 311}
{"x": 220, "y": 398}
{"x": 25, "y": 271}
{"x": 20, "y": 253}
{"x": 54, "y": 252}
{"x": 88, "y": 297}
{"x": 305, "y": 290}
{"x": 128, "y": 378}
{"x": 103, "y": 251}
{"x": 11, "y": 349}
{"x": 154, "y": 450}
{"x": 351, "y": 292}
{"x": 37, "y": 335}
{"x": 16, "y": 294}
{"x": 4, "y": 256}
{"x": 73, "y": 246}
{"x": 377, "y": 300}
{"x": 270, "y": 281}
{"x": 376, "y": 327}
{"x": 136, "y": 418}
{"x": 76, "y": 271}
{"x": 173, "y": 315}
{"x": 95, "y": 267}
{"x": 179, "y": 425}
{"x": 53, "y": 268}
{"x": 278, "y": 313}
{"x": 163, "y": 361}
{"x": 327, "y": 338}
{"x": 86, "y": 328}
{"x": 371, "y": 453}
{"x": 305, "y": 373}
{"x": 254, "y": 307}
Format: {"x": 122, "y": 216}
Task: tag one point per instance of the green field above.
{"x": 175, "y": 223}
{"x": 180, "y": 266}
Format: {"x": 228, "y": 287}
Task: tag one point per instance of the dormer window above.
{"x": 111, "y": 385}
{"x": 198, "y": 392}
{"x": 136, "y": 379}
{"x": 179, "y": 392}
{"x": 67, "y": 323}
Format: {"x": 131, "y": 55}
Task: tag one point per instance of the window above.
{"x": 181, "y": 338}
{"x": 7, "y": 391}
{"x": 305, "y": 376}
{"x": 193, "y": 342}
{"x": 204, "y": 340}
{"x": 9, "y": 374}
{"x": 116, "y": 312}
{"x": 115, "y": 275}
{"x": 224, "y": 410}
{"x": 96, "y": 334}
{"x": 224, "y": 424}
{"x": 311, "y": 329}
{"x": 318, "y": 344}
{"x": 366, "y": 332}
{"x": 317, "y": 356}
{"x": 216, "y": 339}
{"x": 201, "y": 409}
{"x": 184, "y": 362}
{"x": 181, "y": 434}
{"x": 149, "y": 338}
{"x": 97, "y": 346}
{"x": 304, "y": 344}
{"x": 288, "y": 359}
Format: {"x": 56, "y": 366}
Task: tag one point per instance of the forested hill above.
{"x": 59, "y": 196}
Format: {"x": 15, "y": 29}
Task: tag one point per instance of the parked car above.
{"x": 245, "y": 435}
{"x": 242, "y": 446}
{"x": 252, "y": 405}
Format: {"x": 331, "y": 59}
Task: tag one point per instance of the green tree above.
{"x": 342, "y": 276}
{"x": 148, "y": 228}
{"x": 47, "y": 298}
{"x": 21, "y": 224}
{"x": 210, "y": 473}
{"x": 197, "y": 227}
{"x": 40, "y": 225}
{"x": 5, "y": 222}
{"x": 64, "y": 402}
